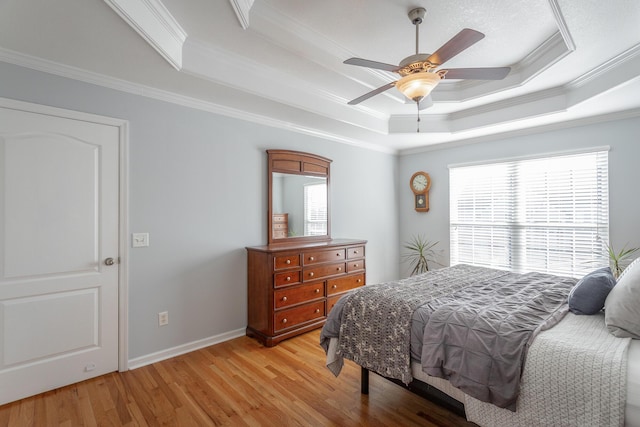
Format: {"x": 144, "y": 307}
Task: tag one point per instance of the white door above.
{"x": 58, "y": 229}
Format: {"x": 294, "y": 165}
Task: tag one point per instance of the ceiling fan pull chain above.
{"x": 418, "y": 104}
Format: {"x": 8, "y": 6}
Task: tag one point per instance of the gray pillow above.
{"x": 622, "y": 307}
{"x": 589, "y": 294}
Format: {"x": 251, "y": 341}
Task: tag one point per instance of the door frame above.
{"x": 123, "y": 212}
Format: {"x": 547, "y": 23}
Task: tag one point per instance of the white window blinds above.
{"x": 548, "y": 214}
{"x": 315, "y": 209}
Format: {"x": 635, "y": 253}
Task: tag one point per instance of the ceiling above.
{"x": 280, "y": 62}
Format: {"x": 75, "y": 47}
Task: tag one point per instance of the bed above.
{"x": 502, "y": 346}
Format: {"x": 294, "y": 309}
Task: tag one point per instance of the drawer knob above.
{"x": 317, "y": 291}
{"x": 355, "y": 252}
{"x": 337, "y": 253}
{"x": 311, "y": 274}
{"x": 339, "y": 268}
{"x": 284, "y": 320}
{"x": 355, "y": 265}
{"x": 359, "y": 280}
{"x": 284, "y": 298}
{"x": 317, "y": 310}
{"x": 288, "y": 278}
{"x": 288, "y": 261}
{"x": 334, "y": 286}
{"x": 311, "y": 258}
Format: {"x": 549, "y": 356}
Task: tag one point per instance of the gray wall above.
{"x": 624, "y": 175}
{"x": 198, "y": 185}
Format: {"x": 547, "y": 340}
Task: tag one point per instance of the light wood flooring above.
{"x": 236, "y": 383}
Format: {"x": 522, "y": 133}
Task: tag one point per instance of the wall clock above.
{"x": 420, "y": 183}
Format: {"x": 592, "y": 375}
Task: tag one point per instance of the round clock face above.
{"x": 419, "y": 182}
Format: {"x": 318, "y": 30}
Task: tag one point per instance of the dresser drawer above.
{"x": 279, "y": 226}
{"x": 298, "y": 294}
{"x": 355, "y": 265}
{"x": 331, "y": 301}
{"x": 287, "y": 278}
{"x": 286, "y": 261}
{"x": 343, "y": 284}
{"x": 294, "y": 316}
{"x": 322, "y": 271}
{"x": 355, "y": 252}
{"x": 317, "y": 257}
{"x": 280, "y": 217}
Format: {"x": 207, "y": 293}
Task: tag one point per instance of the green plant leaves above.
{"x": 420, "y": 253}
{"x": 618, "y": 259}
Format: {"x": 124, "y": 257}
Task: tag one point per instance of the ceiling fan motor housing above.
{"x": 416, "y": 64}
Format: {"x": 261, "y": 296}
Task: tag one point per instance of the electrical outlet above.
{"x": 163, "y": 318}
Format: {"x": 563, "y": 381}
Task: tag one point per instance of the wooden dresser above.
{"x": 293, "y": 286}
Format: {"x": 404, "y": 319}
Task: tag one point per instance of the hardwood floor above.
{"x": 236, "y": 383}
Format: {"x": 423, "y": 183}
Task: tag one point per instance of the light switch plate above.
{"x": 139, "y": 240}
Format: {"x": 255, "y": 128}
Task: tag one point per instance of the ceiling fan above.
{"x": 418, "y": 72}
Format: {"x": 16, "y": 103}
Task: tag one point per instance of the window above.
{"x": 315, "y": 209}
{"x": 547, "y": 214}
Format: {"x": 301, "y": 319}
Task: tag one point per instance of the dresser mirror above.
{"x": 298, "y": 197}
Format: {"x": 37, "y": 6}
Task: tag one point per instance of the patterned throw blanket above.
{"x": 375, "y": 323}
{"x": 472, "y": 311}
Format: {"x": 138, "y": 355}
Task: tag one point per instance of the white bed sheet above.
{"x": 632, "y": 406}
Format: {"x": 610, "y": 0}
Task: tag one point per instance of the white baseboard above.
{"x": 138, "y": 362}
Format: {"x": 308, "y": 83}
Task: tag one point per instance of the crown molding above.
{"x": 203, "y": 61}
{"x": 152, "y": 20}
{"x": 521, "y": 108}
{"x": 562, "y": 25}
{"x": 269, "y": 21}
{"x": 78, "y": 74}
{"x": 536, "y": 62}
{"x": 509, "y": 103}
{"x": 242, "y": 9}
{"x": 67, "y": 71}
{"x": 549, "y": 101}
{"x": 605, "y": 68}
{"x": 548, "y": 53}
{"x": 532, "y": 130}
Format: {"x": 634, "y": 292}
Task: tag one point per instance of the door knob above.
{"x": 109, "y": 261}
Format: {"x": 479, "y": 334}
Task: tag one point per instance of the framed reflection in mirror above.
{"x": 298, "y": 197}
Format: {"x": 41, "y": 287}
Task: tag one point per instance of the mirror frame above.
{"x": 297, "y": 163}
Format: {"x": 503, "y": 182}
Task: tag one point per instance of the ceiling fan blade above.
{"x": 461, "y": 41}
{"x": 372, "y": 93}
{"x": 371, "y": 64}
{"x": 497, "y": 73}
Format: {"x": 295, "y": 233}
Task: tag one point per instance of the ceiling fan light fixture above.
{"x": 417, "y": 86}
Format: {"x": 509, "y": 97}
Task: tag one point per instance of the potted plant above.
{"x": 420, "y": 253}
{"x": 619, "y": 260}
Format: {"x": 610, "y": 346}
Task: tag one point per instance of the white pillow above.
{"x": 622, "y": 307}
{"x": 629, "y": 267}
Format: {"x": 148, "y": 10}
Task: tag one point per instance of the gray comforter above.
{"x": 470, "y": 325}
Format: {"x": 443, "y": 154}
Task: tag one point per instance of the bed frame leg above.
{"x": 364, "y": 380}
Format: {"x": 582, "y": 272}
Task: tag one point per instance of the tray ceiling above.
{"x": 280, "y": 62}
